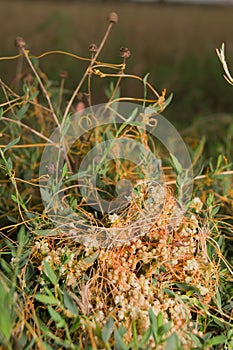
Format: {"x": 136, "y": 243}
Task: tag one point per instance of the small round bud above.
{"x": 113, "y": 17}
{"x": 29, "y": 79}
{"x": 92, "y": 48}
{"x": 80, "y": 95}
{"x": 63, "y": 75}
{"x": 20, "y": 43}
{"x": 124, "y": 52}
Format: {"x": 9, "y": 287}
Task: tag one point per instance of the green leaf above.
{"x": 169, "y": 292}
{"x": 219, "y": 339}
{"x": 50, "y": 273}
{"x": 75, "y": 325}
{"x": 5, "y": 313}
{"x": 154, "y": 325}
{"x": 9, "y": 164}
{"x": 145, "y": 338}
{"x": 165, "y": 328}
{"x": 34, "y": 95}
{"x": 22, "y": 237}
{"x": 107, "y": 330}
{"x": 45, "y": 232}
{"x": 14, "y": 198}
{"x": 46, "y": 195}
{"x": 219, "y": 323}
{"x": 12, "y": 143}
{"x": 160, "y": 319}
{"x": 46, "y": 299}
{"x": 196, "y": 340}
{"x": 173, "y": 342}
{"x": 120, "y": 345}
{"x": 60, "y": 322}
{"x": 219, "y": 301}
{"x": 70, "y": 304}
{"x": 168, "y": 101}
{"x": 178, "y": 167}
{"x": 92, "y": 258}
{"x": 22, "y": 111}
{"x": 215, "y": 210}
{"x": 48, "y": 333}
{"x": 64, "y": 170}
{"x": 47, "y": 347}
{"x": 6, "y": 266}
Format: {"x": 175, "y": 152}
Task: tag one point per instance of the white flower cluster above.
{"x": 128, "y": 280}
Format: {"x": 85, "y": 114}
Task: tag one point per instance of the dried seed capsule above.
{"x": 124, "y": 52}
{"x": 113, "y": 17}
{"x": 20, "y": 43}
{"x": 92, "y": 48}
{"x": 29, "y": 79}
{"x": 63, "y": 75}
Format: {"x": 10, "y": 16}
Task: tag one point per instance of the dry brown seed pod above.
{"x": 20, "y": 43}
{"x": 92, "y": 48}
{"x": 113, "y": 17}
{"x": 63, "y": 75}
{"x": 124, "y": 52}
{"x": 29, "y": 79}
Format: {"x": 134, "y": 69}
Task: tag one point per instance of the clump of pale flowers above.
{"x": 128, "y": 280}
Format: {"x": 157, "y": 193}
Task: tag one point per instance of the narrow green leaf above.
{"x": 168, "y": 101}
{"x": 160, "y": 319}
{"x": 46, "y": 299}
{"x": 47, "y": 347}
{"x": 169, "y": 292}
{"x": 165, "y": 328}
{"x": 12, "y": 143}
{"x": 219, "y": 339}
{"x": 70, "y": 304}
{"x": 60, "y": 322}
{"x": 75, "y": 325}
{"x": 120, "y": 345}
{"x": 107, "y": 330}
{"x": 173, "y": 342}
{"x": 134, "y": 331}
{"x": 219, "y": 301}
{"x": 92, "y": 258}
{"x": 5, "y": 313}
{"x": 22, "y": 237}
{"x": 9, "y": 164}
{"x": 178, "y": 167}
{"x": 33, "y": 95}
{"x": 22, "y": 111}
{"x": 219, "y": 323}
{"x": 50, "y": 273}
{"x": 6, "y": 266}
{"x": 47, "y": 197}
{"x": 196, "y": 340}
{"x": 48, "y": 333}
{"x": 153, "y": 325}
{"x": 145, "y": 338}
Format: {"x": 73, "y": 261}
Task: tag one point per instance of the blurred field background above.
{"x": 175, "y": 43}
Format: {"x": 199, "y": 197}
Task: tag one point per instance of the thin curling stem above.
{"x": 86, "y": 73}
{"x": 25, "y": 52}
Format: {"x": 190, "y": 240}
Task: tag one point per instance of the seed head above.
{"x": 113, "y": 17}
{"x": 29, "y": 79}
{"x": 20, "y": 43}
{"x": 124, "y": 52}
{"x": 63, "y": 75}
{"x": 92, "y": 48}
